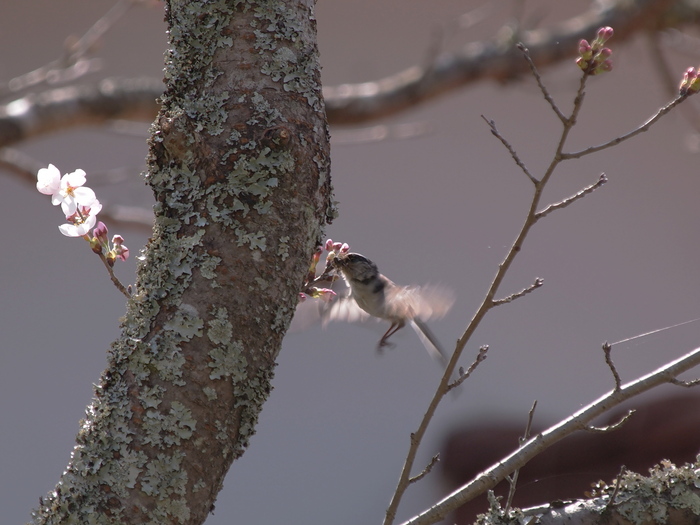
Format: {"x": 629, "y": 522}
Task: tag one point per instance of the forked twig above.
{"x": 426, "y": 470}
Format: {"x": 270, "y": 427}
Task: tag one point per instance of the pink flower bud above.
{"x": 604, "y": 53}
{"x": 689, "y": 77}
{"x": 345, "y": 248}
{"x": 605, "y": 33}
{"x": 302, "y": 297}
{"x": 122, "y": 252}
{"x": 337, "y": 246}
{"x": 584, "y": 49}
{"x": 329, "y": 245}
{"x": 100, "y": 232}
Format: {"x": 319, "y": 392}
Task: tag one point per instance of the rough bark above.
{"x": 238, "y": 164}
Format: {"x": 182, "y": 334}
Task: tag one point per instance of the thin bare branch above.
{"x": 510, "y": 149}
{"x": 73, "y": 63}
{"x": 641, "y": 129}
{"x": 607, "y": 350}
{"x": 490, "y": 477}
{"x": 513, "y": 480}
{"x": 463, "y": 375}
{"x": 426, "y": 470}
{"x": 570, "y": 200}
{"x": 686, "y": 384}
{"x": 115, "y": 280}
{"x": 534, "y": 286}
{"x": 618, "y": 480}
{"x": 612, "y": 427}
{"x": 538, "y": 78}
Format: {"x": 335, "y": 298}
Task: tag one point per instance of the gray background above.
{"x": 443, "y": 208}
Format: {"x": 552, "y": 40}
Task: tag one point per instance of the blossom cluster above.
{"x": 80, "y": 206}
{"x": 334, "y": 249}
{"x": 594, "y": 58}
{"x": 691, "y": 82}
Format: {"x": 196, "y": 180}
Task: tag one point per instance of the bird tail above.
{"x": 430, "y": 342}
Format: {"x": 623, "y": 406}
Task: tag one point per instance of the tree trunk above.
{"x": 239, "y": 168}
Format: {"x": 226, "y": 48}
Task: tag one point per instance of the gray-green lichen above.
{"x": 650, "y": 498}
{"x": 219, "y": 328}
{"x": 165, "y": 429}
{"x": 228, "y": 361}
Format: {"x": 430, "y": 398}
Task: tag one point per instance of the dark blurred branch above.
{"x": 498, "y": 60}
{"x": 495, "y": 59}
{"x": 77, "y": 106}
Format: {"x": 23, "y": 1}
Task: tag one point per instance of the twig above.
{"x": 534, "y": 286}
{"x": 686, "y": 384}
{"x": 73, "y": 63}
{"x": 607, "y": 348}
{"x": 426, "y": 470}
{"x": 464, "y": 375}
{"x": 510, "y": 149}
{"x": 614, "y": 142}
{"x": 610, "y": 428}
{"x": 669, "y": 77}
{"x": 538, "y": 78}
{"x": 563, "y": 204}
{"x": 618, "y": 481}
{"x": 113, "y": 277}
{"x": 513, "y": 480}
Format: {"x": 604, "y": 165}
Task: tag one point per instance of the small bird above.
{"x": 373, "y": 294}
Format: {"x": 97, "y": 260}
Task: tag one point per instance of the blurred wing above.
{"x": 343, "y": 309}
{"x": 424, "y": 302}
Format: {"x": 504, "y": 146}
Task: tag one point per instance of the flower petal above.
{"x": 48, "y": 180}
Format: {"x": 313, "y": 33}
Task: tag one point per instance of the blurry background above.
{"x": 442, "y": 208}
